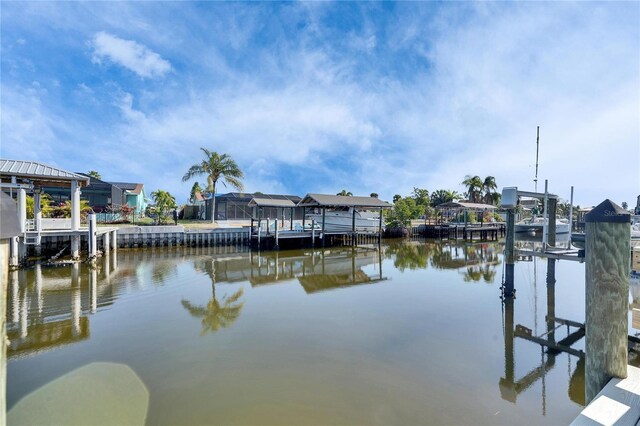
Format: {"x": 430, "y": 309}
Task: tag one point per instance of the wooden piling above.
{"x": 607, "y": 257}
{"x": 509, "y": 254}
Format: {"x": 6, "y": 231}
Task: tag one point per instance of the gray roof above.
{"x": 465, "y": 205}
{"x": 323, "y": 200}
{"x": 39, "y": 172}
{"x": 270, "y": 202}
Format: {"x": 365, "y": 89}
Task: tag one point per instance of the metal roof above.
{"x": 465, "y": 205}
{"x": 243, "y": 196}
{"x": 270, "y": 202}
{"x": 38, "y": 172}
{"x": 323, "y": 200}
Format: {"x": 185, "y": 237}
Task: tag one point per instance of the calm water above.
{"x": 411, "y": 334}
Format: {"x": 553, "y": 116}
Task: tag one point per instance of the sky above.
{"x": 323, "y": 96}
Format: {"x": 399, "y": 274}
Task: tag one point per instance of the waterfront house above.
{"x": 133, "y": 195}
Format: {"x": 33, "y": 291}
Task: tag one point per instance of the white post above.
{"x": 75, "y": 247}
{"x": 93, "y": 243}
{"x": 105, "y": 241}
{"x": 22, "y": 210}
{"x": 37, "y": 219}
{"x": 114, "y": 239}
{"x": 22, "y": 223}
{"x": 75, "y": 205}
{"x": 13, "y": 252}
{"x": 571, "y": 213}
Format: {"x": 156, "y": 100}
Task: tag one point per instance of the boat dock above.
{"x": 339, "y": 222}
{"x": 490, "y": 231}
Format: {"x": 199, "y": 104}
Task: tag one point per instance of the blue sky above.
{"x": 319, "y": 97}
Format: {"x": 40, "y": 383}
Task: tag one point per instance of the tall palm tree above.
{"x": 94, "y": 175}
{"x": 489, "y": 186}
{"x": 345, "y": 193}
{"x": 474, "y": 187}
{"x": 216, "y": 166}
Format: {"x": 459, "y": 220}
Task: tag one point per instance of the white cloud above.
{"x": 129, "y": 54}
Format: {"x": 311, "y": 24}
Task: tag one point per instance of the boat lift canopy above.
{"x": 324, "y": 200}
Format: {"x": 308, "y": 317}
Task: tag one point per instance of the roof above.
{"x": 269, "y": 202}
{"x": 465, "y": 205}
{"x": 132, "y": 188}
{"x": 40, "y": 174}
{"x": 246, "y": 197}
{"x": 323, "y": 200}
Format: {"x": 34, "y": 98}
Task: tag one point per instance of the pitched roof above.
{"x": 39, "y": 173}
{"x": 132, "y": 188}
{"x": 323, "y": 200}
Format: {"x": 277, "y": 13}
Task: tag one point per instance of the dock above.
{"x": 618, "y": 403}
{"x": 467, "y": 232}
{"x": 275, "y": 234}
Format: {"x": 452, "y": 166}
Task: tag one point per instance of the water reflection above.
{"x": 216, "y": 314}
{"x": 475, "y": 261}
{"x": 511, "y": 386}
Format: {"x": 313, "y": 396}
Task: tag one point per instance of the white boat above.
{"x": 340, "y": 219}
{"x": 535, "y": 225}
{"x": 635, "y": 227}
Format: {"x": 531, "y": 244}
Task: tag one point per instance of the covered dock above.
{"x": 327, "y": 220}
{"x": 19, "y": 178}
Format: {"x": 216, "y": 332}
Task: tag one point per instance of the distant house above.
{"x": 134, "y": 195}
{"x": 101, "y": 195}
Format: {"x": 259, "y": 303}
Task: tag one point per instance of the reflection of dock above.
{"x": 53, "y": 311}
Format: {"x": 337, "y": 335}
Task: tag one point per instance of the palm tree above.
{"x": 374, "y": 195}
{"x": 489, "y": 186}
{"x": 474, "y": 188}
{"x": 345, "y": 193}
{"x": 216, "y": 166}
{"x": 94, "y": 175}
{"x": 164, "y": 202}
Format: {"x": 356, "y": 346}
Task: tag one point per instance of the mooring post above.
{"x": 276, "y": 246}
{"x": 93, "y": 246}
{"x": 313, "y": 232}
{"x": 509, "y": 253}
{"x": 607, "y": 257}
{"x": 324, "y": 210}
{"x": 551, "y": 239}
{"x": 354, "y": 236}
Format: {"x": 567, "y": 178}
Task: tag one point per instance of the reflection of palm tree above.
{"x": 217, "y": 314}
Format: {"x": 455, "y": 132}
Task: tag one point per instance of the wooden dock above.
{"x": 467, "y": 232}
{"x": 617, "y": 404}
{"x": 307, "y": 239}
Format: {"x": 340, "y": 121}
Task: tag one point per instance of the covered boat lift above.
{"x": 30, "y": 177}
{"x": 306, "y": 235}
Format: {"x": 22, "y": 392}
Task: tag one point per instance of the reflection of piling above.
{"x": 607, "y": 256}
{"x": 551, "y": 299}
{"x": 508, "y": 290}
{"x": 507, "y": 384}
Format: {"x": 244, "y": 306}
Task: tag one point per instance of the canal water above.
{"x": 411, "y": 332}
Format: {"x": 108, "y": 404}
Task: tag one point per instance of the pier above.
{"x": 271, "y": 234}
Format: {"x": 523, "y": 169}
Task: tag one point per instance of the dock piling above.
{"x": 607, "y": 257}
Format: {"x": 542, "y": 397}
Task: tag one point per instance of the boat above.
{"x": 340, "y": 219}
{"x": 535, "y": 225}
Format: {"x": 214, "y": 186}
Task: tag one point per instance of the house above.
{"x": 133, "y": 195}
{"x": 101, "y": 194}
